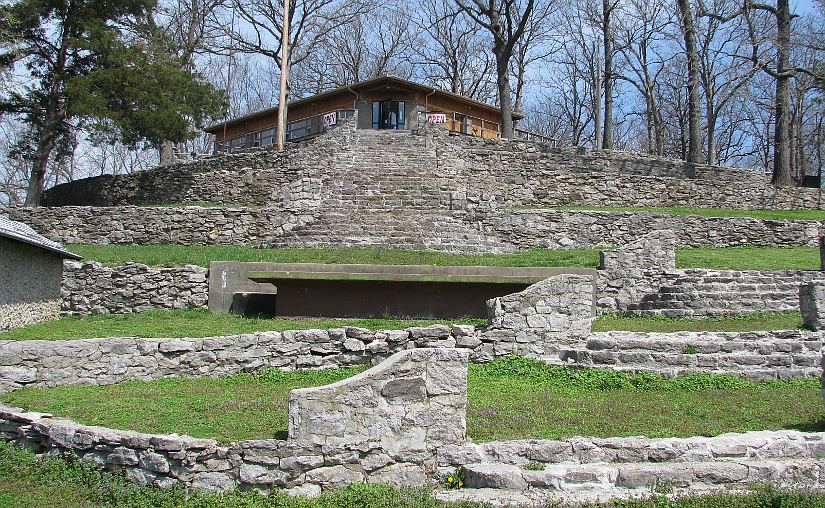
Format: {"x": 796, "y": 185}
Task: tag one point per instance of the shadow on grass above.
{"x": 812, "y": 426}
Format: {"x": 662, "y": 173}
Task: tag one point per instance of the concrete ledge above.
{"x": 423, "y": 291}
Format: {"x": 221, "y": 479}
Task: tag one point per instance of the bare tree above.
{"x": 506, "y": 20}
{"x": 642, "y": 38}
{"x": 778, "y": 66}
{"x": 450, "y": 51}
{"x": 534, "y": 47}
{"x": 371, "y": 45}
{"x": 687, "y": 23}
{"x": 259, "y": 29}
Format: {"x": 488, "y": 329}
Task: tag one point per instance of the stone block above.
{"x": 812, "y": 304}
{"x": 393, "y": 404}
{"x": 492, "y": 475}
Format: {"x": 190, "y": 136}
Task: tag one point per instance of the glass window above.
{"x": 376, "y": 115}
{"x": 267, "y": 137}
{"x": 400, "y": 108}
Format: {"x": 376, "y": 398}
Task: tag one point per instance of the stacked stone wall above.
{"x": 429, "y": 169}
{"x": 91, "y": 288}
{"x": 384, "y": 434}
{"x": 474, "y": 232}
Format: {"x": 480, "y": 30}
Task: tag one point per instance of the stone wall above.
{"x": 108, "y": 361}
{"x": 427, "y": 169}
{"x": 547, "y": 315}
{"x": 640, "y": 279}
{"x": 112, "y": 360}
{"x": 29, "y": 284}
{"x": 91, "y": 288}
{"x": 484, "y": 230}
{"x": 392, "y": 437}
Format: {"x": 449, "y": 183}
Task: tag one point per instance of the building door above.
{"x": 388, "y": 114}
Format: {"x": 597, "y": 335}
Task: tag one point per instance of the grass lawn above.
{"x": 702, "y": 212}
{"x": 510, "y": 398}
{"x": 177, "y": 255}
{"x": 193, "y": 323}
{"x": 201, "y": 323}
{"x": 735, "y": 258}
{"x": 30, "y": 481}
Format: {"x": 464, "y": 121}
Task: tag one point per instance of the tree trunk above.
{"x": 55, "y": 115}
{"x": 504, "y": 100}
{"x": 39, "y": 164}
{"x": 607, "y": 135}
{"x": 167, "y": 153}
{"x": 712, "y": 160}
{"x": 694, "y": 153}
{"x": 782, "y": 142}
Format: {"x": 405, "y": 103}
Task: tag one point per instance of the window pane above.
{"x": 376, "y": 115}
{"x": 401, "y": 106}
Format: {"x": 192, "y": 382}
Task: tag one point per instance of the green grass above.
{"x": 735, "y": 258}
{"x": 30, "y": 481}
{"x": 702, "y": 212}
{"x": 741, "y": 323}
{"x": 201, "y": 323}
{"x": 177, "y": 255}
{"x": 510, "y": 398}
{"x": 749, "y": 258}
{"x": 193, "y": 323}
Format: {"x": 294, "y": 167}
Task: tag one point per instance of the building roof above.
{"x": 22, "y": 233}
{"x": 386, "y": 79}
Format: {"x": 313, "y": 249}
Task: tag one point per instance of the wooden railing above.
{"x": 474, "y": 126}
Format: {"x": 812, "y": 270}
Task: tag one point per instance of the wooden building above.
{"x": 385, "y": 102}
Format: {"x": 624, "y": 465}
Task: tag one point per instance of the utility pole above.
{"x": 281, "y": 130}
{"x": 597, "y": 96}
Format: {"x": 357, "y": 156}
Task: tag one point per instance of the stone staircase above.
{"x": 754, "y": 355}
{"x": 704, "y": 293}
{"x": 598, "y": 470}
{"x": 417, "y": 229}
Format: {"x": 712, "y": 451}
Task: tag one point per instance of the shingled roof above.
{"x": 20, "y": 232}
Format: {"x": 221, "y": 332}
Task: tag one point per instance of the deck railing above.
{"x": 474, "y": 126}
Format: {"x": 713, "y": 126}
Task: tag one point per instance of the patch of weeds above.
{"x": 455, "y": 480}
{"x": 533, "y": 466}
{"x": 689, "y": 350}
{"x": 663, "y": 488}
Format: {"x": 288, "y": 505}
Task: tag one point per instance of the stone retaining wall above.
{"x": 485, "y": 230}
{"x": 404, "y": 422}
{"x": 91, "y": 288}
{"x": 108, "y": 361}
{"x": 391, "y": 438}
{"x": 430, "y": 169}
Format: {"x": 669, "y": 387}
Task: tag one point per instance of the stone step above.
{"x": 501, "y": 485}
{"x": 750, "y": 366}
{"x": 680, "y": 310}
{"x": 677, "y": 344}
{"x": 572, "y": 477}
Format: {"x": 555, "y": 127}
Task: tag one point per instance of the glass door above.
{"x": 388, "y": 114}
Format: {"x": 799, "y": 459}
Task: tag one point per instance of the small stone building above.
{"x": 31, "y": 268}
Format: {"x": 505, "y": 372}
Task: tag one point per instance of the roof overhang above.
{"x": 19, "y": 232}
